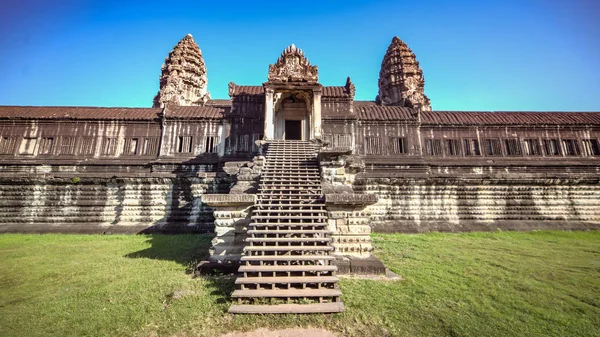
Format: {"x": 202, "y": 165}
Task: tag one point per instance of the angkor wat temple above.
{"x": 292, "y": 152}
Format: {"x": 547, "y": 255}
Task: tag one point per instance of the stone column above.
{"x": 223, "y": 135}
{"x": 316, "y": 117}
{"x": 269, "y": 132}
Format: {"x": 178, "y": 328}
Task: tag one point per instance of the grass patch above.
{"x": 474, "y": 284}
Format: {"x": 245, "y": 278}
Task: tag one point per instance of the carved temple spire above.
{"x": 401, "y": 79}
{"x": 350, "y": 88}
{"x": 183, "y": 79}
{"x": 293, "y": 66}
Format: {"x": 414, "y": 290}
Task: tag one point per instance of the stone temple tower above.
{"x": 183, "y": 79}
{"x": 401, "y": 81}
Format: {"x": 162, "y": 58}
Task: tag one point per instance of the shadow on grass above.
{"x": 188, "y": 250}
{"x": 185, "y": 249}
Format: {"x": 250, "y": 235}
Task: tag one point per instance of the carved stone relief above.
{"x": 293, "y": 66}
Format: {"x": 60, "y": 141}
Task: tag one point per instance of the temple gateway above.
{"x": 292, "y": 176}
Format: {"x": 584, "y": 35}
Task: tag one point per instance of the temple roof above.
{"x": 195, "y": 112}
{"x": 218, "y": 102}
{"x": 71, "y": 112}
{"x": 364, "y": 110}
{"x": 336, "y": 91}
{"x": 368, "y": 110}
{"x": 509, "y": 118}
{"x": 235, "y": 89}
{"x": 328, "y": 91}
{"x": 101, "y": 113}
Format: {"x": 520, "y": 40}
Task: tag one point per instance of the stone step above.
{"x": 271, "y": 210}
{"x": 299, "y": 176}
{"x": 298, "y": 240}
{"x": 267, "y": 202}
{"x": 299, "y": 197}
{"x": 290, "y": 143}
{"x": 306, "y": 157}
{"x": 287, "y": 248}
{"x": 269, "y": 206}
{"x": 288, "y": 232}
{"x": 294, "y": 268}
{"x": 307, "y": 171}
{"x": 290, "y": 203}
{"x": 263, "y": 203}
{"x": 293, "y": 224}
{"x": 292, "y": 159}
{"x": 292, "y": 152}
{"x": 304, "y": 189}
{"x": 280, "y": 147}
{"x": 290, "y": 163}
{"x": 247, "y": 293}
{"x": 295, "y": 169}
{"x": 291, "y": 183}
{"x": 291, "y": 217}
{"x": 315, "y": 179}
{"x": 300, "y": 159}
{"x": 287, "y": 258}
{"x": 292, "y": 149}
{"x": 287, "y": 279}
{"x": 268, "y": 209}
{"x": 290, "y": 175}
{"x": 294, "y": 193}
{"x": 312, "y": 308}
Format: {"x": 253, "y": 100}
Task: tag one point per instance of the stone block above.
{"x": 220, "y": 200}
{"x": 370, "y": 265}
{"x": 350, "y": 199}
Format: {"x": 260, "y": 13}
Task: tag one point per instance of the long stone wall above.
{"x": 107, "y": 205}
{"x": 453, "y": 205}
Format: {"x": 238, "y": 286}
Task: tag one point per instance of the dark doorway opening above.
{"x": 293, "y": 130}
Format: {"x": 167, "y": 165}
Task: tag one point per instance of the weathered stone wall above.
{"x": 453, "y": 205}
{"x": 374, "y": 140}
{"x": 107, "y": 205}
{"x": 185, "y": 139}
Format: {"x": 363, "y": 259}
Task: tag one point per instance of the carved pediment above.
{"x": 293, "y": 66}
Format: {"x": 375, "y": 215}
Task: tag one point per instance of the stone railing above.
{"x": 232, "y": 216}
{"x": 349, "y": 220}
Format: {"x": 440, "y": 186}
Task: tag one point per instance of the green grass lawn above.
{"x": 476, "y": 284}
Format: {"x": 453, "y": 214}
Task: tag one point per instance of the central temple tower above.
{"x": 292, "y": 98}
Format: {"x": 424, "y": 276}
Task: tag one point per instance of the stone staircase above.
{"x": 286, "y": 264}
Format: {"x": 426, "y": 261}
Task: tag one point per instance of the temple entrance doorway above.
{"x": 293, "y": 130}
{"x": 292, "y": 119}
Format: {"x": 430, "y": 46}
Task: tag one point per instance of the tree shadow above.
{"x": 187, "y": 214}
{"x": 185, "y": 249}
{"x": 189, "y": 250}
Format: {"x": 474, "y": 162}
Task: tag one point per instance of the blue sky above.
{"x": 523, "y": 55}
